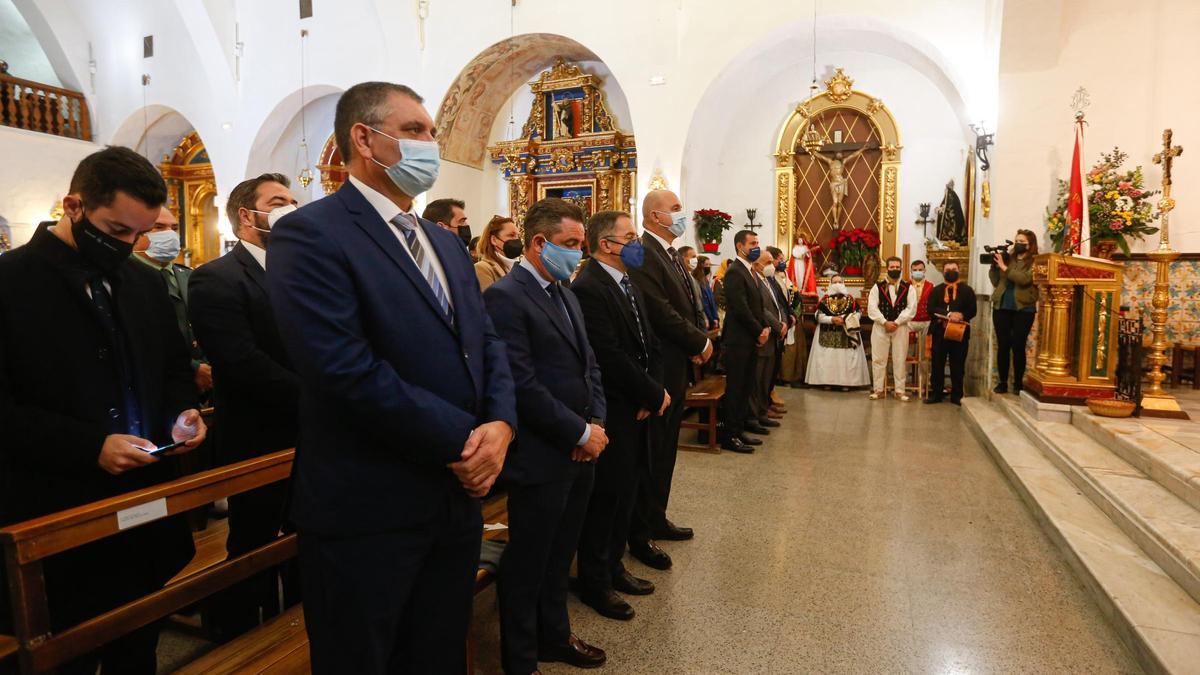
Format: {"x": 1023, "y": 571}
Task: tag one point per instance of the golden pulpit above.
{"x": 1077, "y": 317}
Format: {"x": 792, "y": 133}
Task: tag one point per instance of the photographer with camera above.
{"x": 1014, "y": 306}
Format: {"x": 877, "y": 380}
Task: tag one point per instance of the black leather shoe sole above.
{"x": 619, "y": 610}
{"x": 737, "y": 447}
{"x": 749, "y": 441}
{"x": 659, "y": 561}
{"x": 757, "y": 430}
{"x": 631, "y": 585}
{"x": 572, "y": 659}
{"x": 768, "y": 423}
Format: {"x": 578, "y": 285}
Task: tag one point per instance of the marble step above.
{"x": 1154, "y": 615}
{"x": 1174, "y": 465}
{"x": 1166, "y": 527}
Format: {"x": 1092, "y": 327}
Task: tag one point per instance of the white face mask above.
{"x": 838, "y": 289}
{"x": 273, "y": 216}
{"x": 692, "y": 262}
{"x": 164, "y": 245}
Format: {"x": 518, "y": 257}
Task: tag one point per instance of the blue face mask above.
{"x": 417, "y": 170}
{"x": 164, "y": 245}
{"x": 633, "y": 254}
{"x": 560, "y": 262}
{"x": 678, "y": 222}
{"x": 753, "y": 253}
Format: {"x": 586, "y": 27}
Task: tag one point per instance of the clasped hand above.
{"x": 764, "y": 336}
{"x": 483, "y": 457}
{"x": 594, "y": 446}
{"x": 122, "y": 452}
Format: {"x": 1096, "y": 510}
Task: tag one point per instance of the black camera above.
{"x": 986, "y": 258}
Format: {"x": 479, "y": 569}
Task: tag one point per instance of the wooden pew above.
{"x": 706, "y": 395}
{"x": 27, "y": 544}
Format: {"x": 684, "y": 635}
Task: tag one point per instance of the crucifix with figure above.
{"x": 836, "y": 168}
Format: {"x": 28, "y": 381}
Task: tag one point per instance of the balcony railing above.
{"x": 38, "y": 107}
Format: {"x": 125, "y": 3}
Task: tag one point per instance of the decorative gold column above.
{"x": 1043, "y": 336}
{"x": 1058, "y": 358}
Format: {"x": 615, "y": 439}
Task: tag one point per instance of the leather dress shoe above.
{"x": 756, "y": 428}
{"x": 931, "y": 401}
{"x": 773, "y": 414}
{"x": 672, "y": 532}
{"x": 768, "y": 422}
{"x": 651, "y": 555}
{"x": 630, "y": 585}
{"x": 575, "y": 652}
{"x": 608, "y": 604}
{"x": 781, "y": 409}
{"x": 735, "y": 444}
{"x": 749, "y": 441}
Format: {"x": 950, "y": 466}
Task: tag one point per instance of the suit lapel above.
{"x": 542, "y": 299}
{"x": 383, "y": 234}
{"x": 253, "y": 269}
{"x": 618, "y": 294}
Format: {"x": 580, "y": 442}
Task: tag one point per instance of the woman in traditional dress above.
{"x": 837, "y": 358}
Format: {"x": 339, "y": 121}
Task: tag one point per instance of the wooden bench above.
{"x": 1178, "y": 374}
{"x": 705, "y": 395}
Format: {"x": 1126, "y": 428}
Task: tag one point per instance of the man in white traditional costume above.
{"x": 837, "y": 358}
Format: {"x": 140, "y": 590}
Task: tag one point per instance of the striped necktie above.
{"x": 408, "y": 226}
{"x": 637, "y": 315}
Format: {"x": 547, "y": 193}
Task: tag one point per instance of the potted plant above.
{"x": 1119, "y": 209}
{"x": 710, "y": 228}
{"x": 853, "y": 247}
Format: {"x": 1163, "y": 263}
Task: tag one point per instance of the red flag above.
{"x": 1078, "y": 228}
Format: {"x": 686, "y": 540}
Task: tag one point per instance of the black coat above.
{"x": 255, "y": 391}
{"x": 744, "y": 314}
{"x": 632, "y": 376}
{"x": 963, "y": 302}
{"x": 672, "y": 310}
{"x": 58, "y": 374}
{"x": 557, "y": 381}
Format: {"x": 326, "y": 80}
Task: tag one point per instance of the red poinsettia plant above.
{"x": 711, "y": 225}
{"x": 853, "y": 246}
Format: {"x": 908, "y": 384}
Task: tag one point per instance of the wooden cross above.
{"x": 1166, "y": 157}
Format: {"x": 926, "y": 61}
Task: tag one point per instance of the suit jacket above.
{"x": 390, "y": 387}
{"x": 558, "y": 387}
{"x": 781, "y": 297}
{"x": 776, "y": 318}
{"x": 744, "y": 314}
{"x": 180, "y": 295}
{"x": 964, "y": 302}
{"x": 672, "y": 312}
{"x": 256, "y": 392}
{"x": 59, "y": 391}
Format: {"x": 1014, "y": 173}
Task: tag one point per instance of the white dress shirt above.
{"x": 906, "y": 315}
{"x": 260, "y": 254}
{"x": 613, "y": 272}
{"x": 388, "y": 210}
{"x": 667, "y": 245}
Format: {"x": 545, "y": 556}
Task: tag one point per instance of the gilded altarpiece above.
{"x": 845, "y": 125}
{"x": 191, "y": 187}
{"x": 569, "y": 148}
{"x": 333, "y": 171}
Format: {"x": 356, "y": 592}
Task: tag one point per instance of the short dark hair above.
{"x": 917, "y": 262}
{"x": 364, "y": 103}
{"x": 775, "y": 252}
{"x": 545, "y": 217}
{"x": 742, "y": 236}
{"x": 684, "y": 249}
{"x": 950, "y": 262}
{"x": 601, "y": 225}
{"x": 891, "y": 258}
{"x": 245, "y": 194}
{"x": 102, "y": 174}
{"x": 441, "y": 210}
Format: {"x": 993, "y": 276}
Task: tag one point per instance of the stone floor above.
{"x": 831, "y": 551}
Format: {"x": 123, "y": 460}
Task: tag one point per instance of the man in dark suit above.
{"x": 93, "y": 373}
{"x": 746, "y": 329}
{"x": 769, "y": 351}
{"x": 671, "y": 304}
{"x": 631, "y": 367}
{"x": 560, "y": 404}
{"x": 951, "y": 301}
{"x": 256, "y": 392}
{"x": 406, "y": 401}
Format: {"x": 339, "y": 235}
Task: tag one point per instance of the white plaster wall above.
{"x": 31, "y": 187}
{"x": 1138, "y": 66}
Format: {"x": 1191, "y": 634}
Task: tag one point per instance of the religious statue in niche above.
{"x": 951, "y": 223}
{"x": 836, "y": 171}
{"x": 565, "y": 118}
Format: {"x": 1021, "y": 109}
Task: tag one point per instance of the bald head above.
{"x": 657, "y": 208}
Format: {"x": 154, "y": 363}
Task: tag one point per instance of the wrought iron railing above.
{"x": 38, "y": 107}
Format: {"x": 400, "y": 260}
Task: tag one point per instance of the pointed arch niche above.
{"x": 843, "y": 118}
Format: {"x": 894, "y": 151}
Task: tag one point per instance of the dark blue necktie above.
{"x": 637, "y": 315}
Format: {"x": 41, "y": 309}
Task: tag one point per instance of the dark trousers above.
{"x": 255, "y": 519}
{"x": 543, "y": 531}
{"x": 654, "y": 488}
{"x": 956, "y": 353}
{"x": 740, "y": 366}
{"x": 764, "y": 382}
{"x": 606, "y": 526}
{"x": 396, "y": 601}
{"x": 1012, "y": 332}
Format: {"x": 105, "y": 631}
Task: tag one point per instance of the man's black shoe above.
{"x": 1000, "y": 389}
{"x": 630, "y": 585}
{"x": 735, "y": 444}
{"x": 768, "y": 422}
{"x": 608, "y": 604}
{"x": 749, "y": 441}
{"x": 673, "y": 532}
{"x": 931, "y": 401}
{"x": 575, "y": 652}
{"x": 756, "y": 428}
{"x": 651, "y": 555}
{"x": 956, "y": 401}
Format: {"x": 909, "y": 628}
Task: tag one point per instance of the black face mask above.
{"x": 1020, "y": 248}
{"x": 951, "y": 276}
{"x": 103, "y": 251}
{"x": 464, "y": 233}
{"x": 893, "y": 274}
{"x": 513, "y": 249}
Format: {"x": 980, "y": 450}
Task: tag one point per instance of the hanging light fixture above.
{"x": 813, "y": 88}
{"x": 305, "y": 177}
{"x": 510, "y": 133}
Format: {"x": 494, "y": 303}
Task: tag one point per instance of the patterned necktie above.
{"x": 408, "y": 226}
{"x": 683, "y": 277}
{"x": 637, "y": 316}
{"x": 555, "y": 292}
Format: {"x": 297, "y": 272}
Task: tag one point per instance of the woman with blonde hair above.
{"x": 499, "y": 248}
